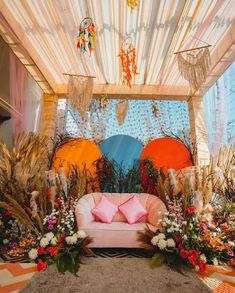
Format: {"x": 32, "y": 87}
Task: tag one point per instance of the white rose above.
{"x": 231, "y": 243}
{"x": 5, "y": 241}
{"x": 215, "y": 261}
{"x": 54, "y": 241}
{"x": 44, "y": 242}
{"x": 71, "y": 240}
{"x": 184, "y": 223}
{"x": 154, "y": 240}
{"x": 161, "y": 236}
{"x": 203, "y": 258}
{"x": 49, "y": 236}
{"x": 162, "y": 244}
{"x": 81, "y": 234}
{"x": 33, "y": 253}
{"x": 185, "y": 237}
{"x": 170, "y": 242}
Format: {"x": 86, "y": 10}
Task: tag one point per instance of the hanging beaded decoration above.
{"x": 155, "y": 110}
{"x": 104, "y": 102}
{"x": 127, "y": 55}
{"x": 86, "y": 35}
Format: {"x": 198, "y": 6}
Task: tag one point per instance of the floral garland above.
{"x": 133, "y": 4}
{"x": 155, "y": 110}
{"x": 86, "y": 36}
{"x": 103, "y": 102}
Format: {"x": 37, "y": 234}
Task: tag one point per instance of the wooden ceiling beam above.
{"x": 145, "y": 92}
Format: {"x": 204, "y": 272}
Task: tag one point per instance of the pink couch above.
{"x": 119, "y": 233}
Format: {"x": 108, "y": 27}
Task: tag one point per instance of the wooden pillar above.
{"x": 198, "y": 129}
{"x": 49, "y": 115}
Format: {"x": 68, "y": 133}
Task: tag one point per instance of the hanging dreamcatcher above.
{"x": 86, "y": 35}
{"x": 121, "y": 111}
{"x": 128, "y": 61}
{"x": 133, "y": 4}
{"x": 80, "y": 91}
{"x": 194, "y": 65}
{"x": 155, "y": 110}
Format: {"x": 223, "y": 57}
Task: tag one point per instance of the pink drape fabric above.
{"x": 17, "y": 93}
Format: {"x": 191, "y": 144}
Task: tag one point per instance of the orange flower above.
{"x": 52, "y": 250}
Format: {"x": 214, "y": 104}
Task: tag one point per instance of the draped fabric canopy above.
{"x": 158, "y": 29}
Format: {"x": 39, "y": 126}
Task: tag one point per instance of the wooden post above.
{"x": 198, "y": 129}
{"x": 49, "y": 116}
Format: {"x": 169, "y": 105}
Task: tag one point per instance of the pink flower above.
{"x": 230, "y": 253}
{"x": 180, "y": 246}
{"x": 178, "y": 239}
{"x": 50, "y": 227}
{"x": 203, "y": 226}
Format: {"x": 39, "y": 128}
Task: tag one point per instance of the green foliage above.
{"x": 157, "y": 260}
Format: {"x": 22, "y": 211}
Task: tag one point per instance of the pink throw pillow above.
{"x": 132, "y": 210}
{"x": 105, "y": 210}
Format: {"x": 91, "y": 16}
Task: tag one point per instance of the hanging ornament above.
{"x": 104, "y": 102}
{"x": 155, "y": 110}
{"x": 80, "y": 91}
{"x": 194, "y": 64}
{"x": 133, "y": 4}
{"x": 86, "y": 36}
{"x": 121, "y": 111}
{"x": 128, "y": 61}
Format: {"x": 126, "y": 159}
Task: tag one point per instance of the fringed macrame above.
{"x": 80, "y": 90}
{"x": 194, "y": 67}
{"x": 121, "y": 111}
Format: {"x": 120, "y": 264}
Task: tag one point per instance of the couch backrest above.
{"x": 151, "y": 203}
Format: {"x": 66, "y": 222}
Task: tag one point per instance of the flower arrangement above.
{"x": 62, "y": 244}
{"x": 184, "y": 237}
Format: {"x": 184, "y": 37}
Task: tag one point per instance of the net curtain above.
{"x": 220, "y": 112}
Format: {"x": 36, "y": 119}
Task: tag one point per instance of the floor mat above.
{"x": 219, "y": 279}
{"x": 14, "y": 276}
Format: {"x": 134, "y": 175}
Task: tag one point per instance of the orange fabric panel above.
{"x": 167, "y": 153}
{"x": 79, "y": 152}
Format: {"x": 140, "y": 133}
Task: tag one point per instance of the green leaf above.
{"x": 157, "y": 260}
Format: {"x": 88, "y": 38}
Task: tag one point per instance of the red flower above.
{"x": 41, "y": 266}
{"x": 57, "y": 203}
{"x": 192, "y": 259}
{"x": 61, "y": 240}
{"x": 183, "y": 253}
{"x": 7, "y": 213}
{"x": 193, "y": 253}
{"x": 202, "y": 266}
{"x": 48, "y": 191}
{"x": 191, "y": 210}
{"x": 52, "y": 250}
{"x": 41, "y": 250}
{"x": 178, "y": 239}
{"x": 180, "y": 246}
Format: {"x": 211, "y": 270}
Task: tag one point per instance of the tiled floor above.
{"x": 13, "y": 276}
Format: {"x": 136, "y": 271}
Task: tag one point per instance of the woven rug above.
{"x": 219, "y": 279}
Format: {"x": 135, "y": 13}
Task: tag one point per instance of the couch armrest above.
{"x": 156, "y": 211}
{"x": 83, "y": 213}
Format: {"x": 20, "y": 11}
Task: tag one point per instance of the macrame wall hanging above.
{"x": 127, "y": 55}
{"x": 133, "y": 4}
{"x": 194, "y": 64}
{"x": 86, "y": 35}
{"x": 121, "y": 111}
{"x": 80, "y": 91}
